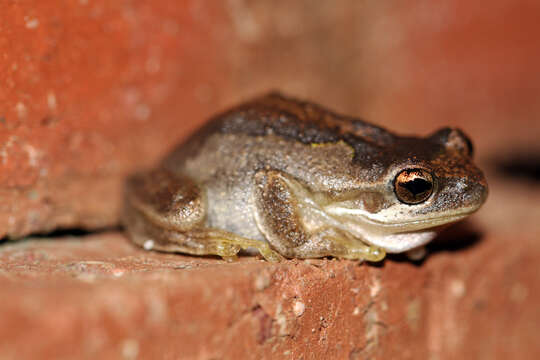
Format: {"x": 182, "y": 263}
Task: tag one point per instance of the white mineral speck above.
{"x": 21, "y": 109}
{"x": 299, "y": 308}
{"x": 457, "y": 288}
{"x": 262, "y": 282}
{"x": 130, "y": 349}
{"x": 31, "y": 23}
{"x": 148, "y": 244}
{"x": 375, "y": 288}
{"x": 33, "y": 155}
{"x": 118, "y": 272}
{"x": 51, "y": 100}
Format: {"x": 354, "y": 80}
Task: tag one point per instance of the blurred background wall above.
{"x": 91, "y": 89}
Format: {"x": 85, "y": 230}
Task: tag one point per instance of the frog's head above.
{"x": 425, "y": 183}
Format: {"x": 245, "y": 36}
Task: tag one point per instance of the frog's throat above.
{"x": 396, "y": 243}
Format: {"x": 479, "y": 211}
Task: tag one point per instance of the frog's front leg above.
{"x": 167, "y": 212}
{"x": 280, "y": 219}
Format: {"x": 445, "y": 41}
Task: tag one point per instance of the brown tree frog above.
{"x": 292, "y": 179}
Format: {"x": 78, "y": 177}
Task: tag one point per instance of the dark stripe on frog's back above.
{"x": 291, "y": 119}
{"x": 298, "y": 120}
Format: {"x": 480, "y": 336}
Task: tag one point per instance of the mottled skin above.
{"x": 290, "y": 178}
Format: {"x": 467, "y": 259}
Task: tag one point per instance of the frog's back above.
{"x": 287, "y": 118}
{"x": 298, "y": 120}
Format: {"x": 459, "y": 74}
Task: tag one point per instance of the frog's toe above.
{"x": 227, "y": 250}
{"x": 365, "y": 252}
{"x": 375, "y": 254}
{"x": 271, "y": 255}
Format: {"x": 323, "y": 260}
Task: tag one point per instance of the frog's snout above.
{"x": 477, "y": 195}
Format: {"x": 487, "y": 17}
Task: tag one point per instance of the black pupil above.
{"x": 417, "y": 186}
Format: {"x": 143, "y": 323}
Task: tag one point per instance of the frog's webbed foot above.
{"x": 366, "y": 252}
{"x": 354, "y": 249}
{"x": 280, "y": 216}
{"x": 337, "y": 243}
{"x": 227, "y": 245}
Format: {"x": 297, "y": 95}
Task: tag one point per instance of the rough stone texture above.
{"x": 91, "y": 90}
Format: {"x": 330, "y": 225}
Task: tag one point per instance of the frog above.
{"x": 288, "y": 178}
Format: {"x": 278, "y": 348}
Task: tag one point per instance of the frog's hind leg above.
{"x": 167, "y": 212}
{"x": 284, "y": 208}
{"x": 200, "y": 241}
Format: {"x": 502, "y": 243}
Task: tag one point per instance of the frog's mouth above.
{"x": 418, "y": 224}
{"x": 387, "y": 221}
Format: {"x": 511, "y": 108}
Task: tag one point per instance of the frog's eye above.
{"x": 413, "y": 186}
